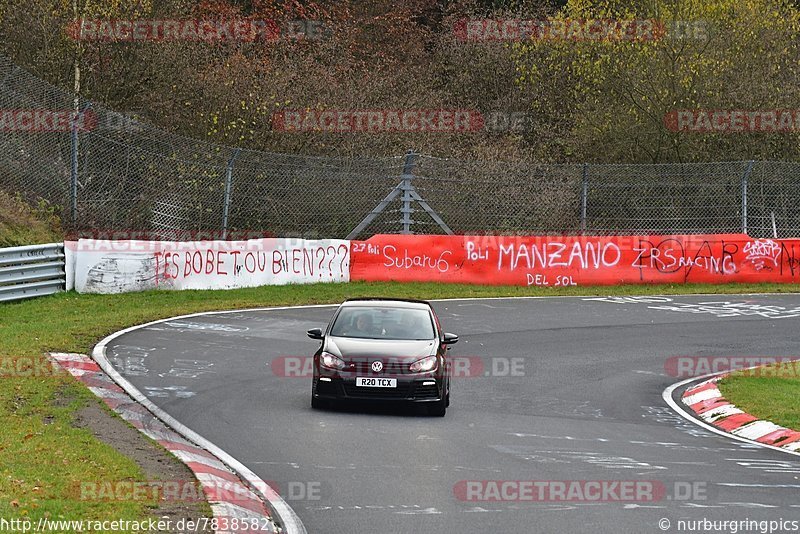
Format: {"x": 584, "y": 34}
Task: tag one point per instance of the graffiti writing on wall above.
{"x": 670, "y": 255}
{"x": 585, "y": 255}
{"x": 762, "y": 253}
{"x": 103, "y": 267}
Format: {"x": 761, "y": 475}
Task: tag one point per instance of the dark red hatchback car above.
{"x": 383, "y": 350}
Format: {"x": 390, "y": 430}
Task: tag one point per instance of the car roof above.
{"x": 367, "y": 302}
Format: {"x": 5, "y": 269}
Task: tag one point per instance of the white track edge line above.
{"x": 667, "y": 396}
{"x": 288, "y": 518}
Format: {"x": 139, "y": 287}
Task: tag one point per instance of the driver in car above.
{"x": 363, "y": 326}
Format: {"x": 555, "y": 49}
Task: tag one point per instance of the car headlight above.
{"x": 424, "y": 365}
{"x": 330, "y": 361}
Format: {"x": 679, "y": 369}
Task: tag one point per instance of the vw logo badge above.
{"x": 377, "y": 366}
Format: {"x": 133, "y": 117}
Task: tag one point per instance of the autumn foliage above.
{"x": 578, "y": 99}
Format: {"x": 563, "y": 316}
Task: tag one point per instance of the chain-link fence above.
{"x": 113, "y": 174}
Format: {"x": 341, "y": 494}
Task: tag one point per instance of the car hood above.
{"x": 349, "y": 348}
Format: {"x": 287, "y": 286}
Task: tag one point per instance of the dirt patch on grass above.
{"x": 156, "y": 462}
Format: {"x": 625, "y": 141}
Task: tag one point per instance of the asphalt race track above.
{"x": 581, "y": 402}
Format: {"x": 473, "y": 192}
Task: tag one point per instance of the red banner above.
{"x": 575, "y": 260}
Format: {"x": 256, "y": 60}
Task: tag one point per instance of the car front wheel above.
{"x": 318, "y": 404}
{"x": 439, "y": 408}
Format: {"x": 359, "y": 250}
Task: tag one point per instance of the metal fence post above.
{"x": 584, "y": 196}
{"x": 226, "y": 201}
{"x": 774, "y": 227}
{"x": 745, "y": 177}
{"x": 407, "y": 186}
{"x": 73, "y": 182}
{"x": 73, "y": 186}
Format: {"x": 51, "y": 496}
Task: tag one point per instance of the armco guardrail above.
{"x": 32, "y": 271}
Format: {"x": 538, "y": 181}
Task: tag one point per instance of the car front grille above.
{"x": 390, "y": 367}
{"x": 404, "y": 390}
{"x": 400, "y": 392}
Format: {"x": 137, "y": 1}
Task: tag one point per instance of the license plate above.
{"x": 368, "y": 382}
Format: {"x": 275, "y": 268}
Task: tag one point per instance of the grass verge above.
{"x": 25, "y": 224}
{"x": 43, "y": 456}
{"x": 769, "y": 393}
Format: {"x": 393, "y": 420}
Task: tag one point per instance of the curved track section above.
{"x": 570, "y": 389}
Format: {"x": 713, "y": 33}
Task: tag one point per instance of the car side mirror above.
{"x": 449, "y": 339}
{"x": 315, "y": 333}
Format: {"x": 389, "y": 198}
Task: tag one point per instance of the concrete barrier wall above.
{"x": 121, "y": 266}
{"x": 548, "y": 261}
{"x": 575, "y": 260}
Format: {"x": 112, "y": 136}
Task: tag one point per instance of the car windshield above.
{"x": 383, "y": 323}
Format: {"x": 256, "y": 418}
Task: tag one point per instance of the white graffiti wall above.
{"x": 103, "y": 266}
